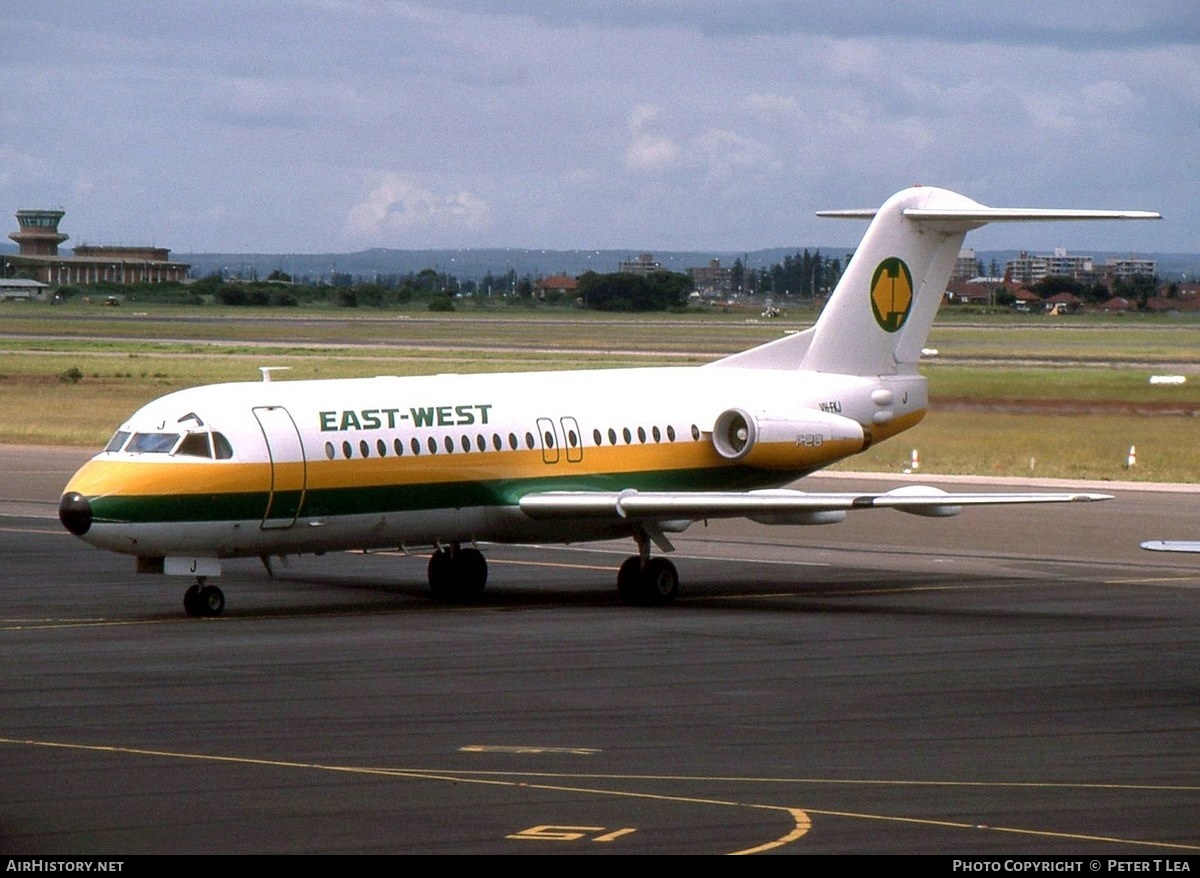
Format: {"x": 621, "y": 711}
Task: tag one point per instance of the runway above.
{"x": 1010, "y": 681}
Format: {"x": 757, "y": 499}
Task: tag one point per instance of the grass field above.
{"x": 1053, "y": 397}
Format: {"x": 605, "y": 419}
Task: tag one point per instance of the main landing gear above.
{"x": 457, "y": 575}
{"x": 203, "y": 600}
{"x": 643, "y": 581}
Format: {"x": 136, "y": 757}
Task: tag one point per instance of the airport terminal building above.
{"x": 38, "y": 238}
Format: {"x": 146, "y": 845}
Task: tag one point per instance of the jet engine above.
{"x": 797, "y": 440}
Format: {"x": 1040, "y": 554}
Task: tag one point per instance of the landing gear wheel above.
{"x": 203, "y": 600}
{"x": 659, "y": 582}
{"x": 647, "y": 585}
{"x": 627, "y": 580}
{"x": 457, "y": 575}
{"x": 212, "y": 600}
{"x": 471, "y": 572}
{"x": 191, "y": 601}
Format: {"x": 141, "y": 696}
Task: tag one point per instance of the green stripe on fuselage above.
{"x": 333, "y": 502}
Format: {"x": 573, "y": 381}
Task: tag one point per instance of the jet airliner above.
{"x": 446, "y": 462}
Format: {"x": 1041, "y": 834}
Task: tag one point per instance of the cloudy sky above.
{"x": 332, "y": 125}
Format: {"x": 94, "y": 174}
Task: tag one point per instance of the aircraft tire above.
{"x": 441, "y": 576}
{"x": 627, "y": 581}
{"x": 458, "y": 577}
{"x": 470, "y": 572}
{"x": 659, "y": 582}
{"x": 191, "y": 601}
{"x": 211, "y": 601}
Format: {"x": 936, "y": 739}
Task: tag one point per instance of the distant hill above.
{"x": 475, "y": 264}
{"x": 466, "y": 264}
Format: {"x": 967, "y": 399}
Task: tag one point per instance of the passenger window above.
{"x": 449, "y": 443}
{"x": 529, "y": 441}
{"x": 670, "y": 432}
{"x": 497, "y": 442}
{"x": 628, "y": 436}
{"x": 657, "y": 434}
{"x": 432, "y": 445}
{"x": 597, "y": 439}
{"x": 381, "y": 447}
{"x": 363, "y": 448}
{"x": 612, "y": 436}
{"x": 416, "y": 446}
{"x": 399, "y": 446}
{"x": 641, "y": 434}
{"x": 347, "y": 450}
{"x": 329, "y": 452}
{"x": 480, "y": 442}
{"x": 695, "y": 433}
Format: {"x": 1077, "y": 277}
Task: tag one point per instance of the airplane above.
{"x": 445, "y": 462}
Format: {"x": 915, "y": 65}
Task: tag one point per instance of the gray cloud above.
{"x": 318, "y": 125}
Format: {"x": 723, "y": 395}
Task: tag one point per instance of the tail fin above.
{"x": 879, "y": 316}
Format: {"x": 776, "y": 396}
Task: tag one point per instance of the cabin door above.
{"x": 289, "y": 470}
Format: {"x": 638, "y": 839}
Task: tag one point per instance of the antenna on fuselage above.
{"x": 267, "y": 370}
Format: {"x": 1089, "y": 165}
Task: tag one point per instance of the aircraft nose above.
{"x": 75, "y": 512}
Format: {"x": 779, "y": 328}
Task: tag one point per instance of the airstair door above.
{"x": 289, "y": 469}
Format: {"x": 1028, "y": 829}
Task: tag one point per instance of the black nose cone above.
{"x": 75, "y": 512}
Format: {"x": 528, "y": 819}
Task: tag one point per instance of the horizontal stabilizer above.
{"x": 1022, "y": 214}
{"x": 996, "y": 214}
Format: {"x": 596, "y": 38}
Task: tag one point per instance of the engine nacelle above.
{"x": 808, "y": 438}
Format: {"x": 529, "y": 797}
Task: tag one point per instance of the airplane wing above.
{"x": 1172, "y": 546}
{"x": 781, "y": 506}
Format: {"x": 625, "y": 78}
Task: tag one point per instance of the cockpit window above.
{"x": 117, "y": 441}
{"x": 222, "y": 447}
{"x": 152, "y": 443}
{"x": 195, "y": 445}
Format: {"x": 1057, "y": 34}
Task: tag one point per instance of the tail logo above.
{"x": 891, "y": 294}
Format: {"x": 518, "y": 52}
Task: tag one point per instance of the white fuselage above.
{"x": 279, "y": 467}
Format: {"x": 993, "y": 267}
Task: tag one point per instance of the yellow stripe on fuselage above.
{"x": 113, "y": 475}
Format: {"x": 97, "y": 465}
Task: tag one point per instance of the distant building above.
{"x": 38, "y": 238}
{"x": 1029, "y": 269}
{"x": 556, "y": 285}
{"x": 1124, "y": 269}
{"x": 713, "y": 281}
{"x": 966, "y": 266}
{"x": 643, "y": 265}
{"x": 19, "y": 289}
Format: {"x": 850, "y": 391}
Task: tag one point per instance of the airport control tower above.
{"x": 39, "y": 234}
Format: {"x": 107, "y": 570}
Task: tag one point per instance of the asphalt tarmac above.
{"x": 1010, "y": 681}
